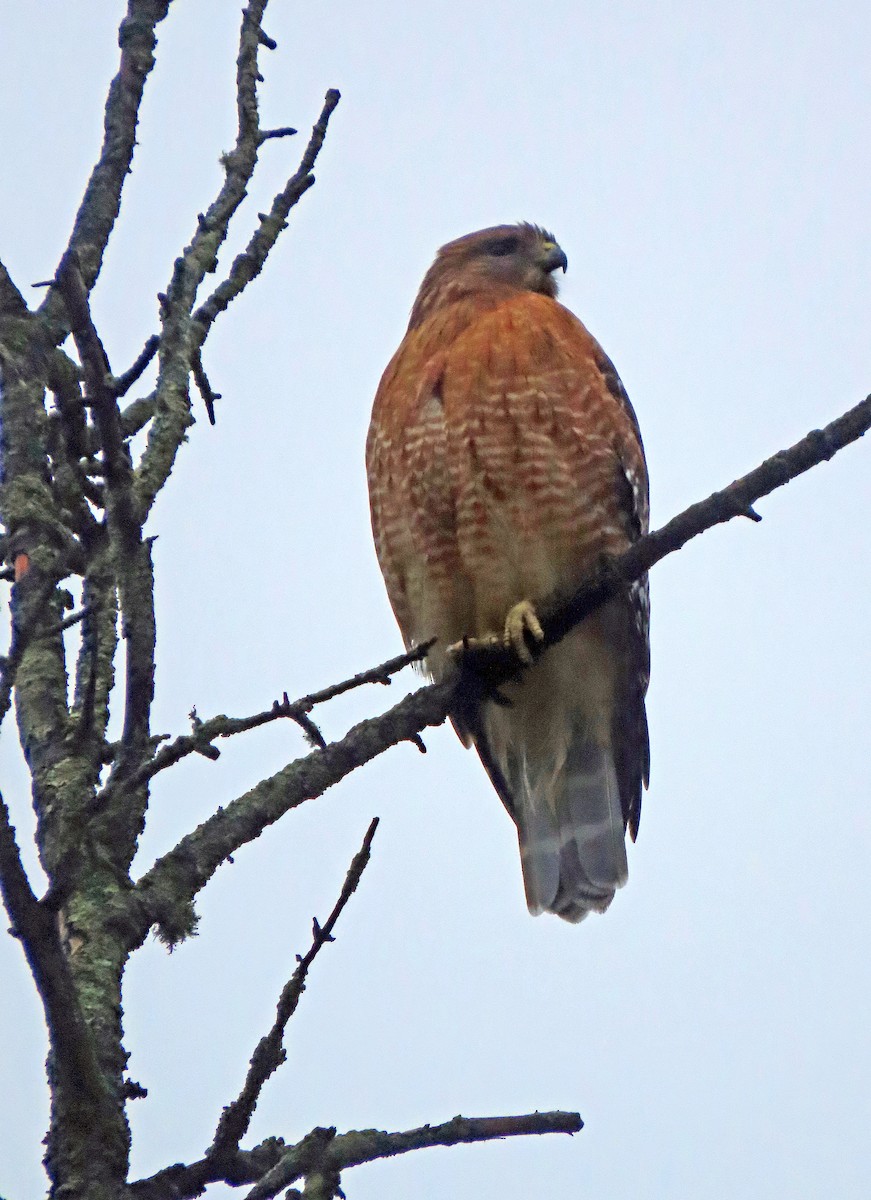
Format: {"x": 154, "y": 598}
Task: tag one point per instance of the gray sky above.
{"x": 705, "y": 167}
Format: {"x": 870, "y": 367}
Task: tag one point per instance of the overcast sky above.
{"x": 706, "y": 169}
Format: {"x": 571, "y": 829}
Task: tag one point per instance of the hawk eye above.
{"x": 503, "y": 246}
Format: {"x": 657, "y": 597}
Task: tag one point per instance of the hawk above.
{"x": 503, "y": 459}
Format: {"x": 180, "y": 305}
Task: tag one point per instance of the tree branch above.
{"x": 101, "y": 398}
{"x": 35, "y": 926}
{"x": 322, "y": 1149}
{"x": 12, "y": 303}
{"x": 164, "y": 894}
{"x": 367, "y": 1145}
{"x": 270, "y": 1053}
{"x": 122, "y": 384}
{"x": 248, "y": 265}
{"x": 22, "y": 634}
{"x": 101, "y": 202}
{"x": 206, "y": 732}
{"x": 183, "y": 335}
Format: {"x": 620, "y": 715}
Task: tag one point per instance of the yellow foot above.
{"x": 522, "y": 618}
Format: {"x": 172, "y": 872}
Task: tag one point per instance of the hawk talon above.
{"x": 522, "y": 619}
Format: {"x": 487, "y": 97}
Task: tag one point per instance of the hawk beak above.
{"x": 553, "y": 256}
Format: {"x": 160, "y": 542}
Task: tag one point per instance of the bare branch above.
{"x": 122, "y": 384}
{"x": 95, "y": 674}
{"x": 206, "y": 732}
{"x": 137, "y": 414}
{"x": 248, "y": 265}
{"x": 367, "y": 1145}
{"x": 180, "y": 338}
{"x": 239, "y": 165}
{"x": 270, "y": 1053}
{"x": 175, "y": 879}
{"x": 322, "y": 1149}
{"x": 101, "y": 203}
{"x": 283, "y": 132}
{"x": 133, "y": 555}
{"x": 356, "y": 1147}
{"x": 70, "y": 621}
{"x": 100, "y": 397}
{"x": 201, "y": 379}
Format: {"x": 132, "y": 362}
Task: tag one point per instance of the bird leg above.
{"x": 521, "y": 619}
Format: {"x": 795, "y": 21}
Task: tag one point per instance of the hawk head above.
{"x": 505, "y": 258}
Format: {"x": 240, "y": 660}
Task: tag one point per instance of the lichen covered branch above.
{"x": 248, "y": 265}
{"x": 35, "y": 924}
{"x": 101, "y": 202}
{"x": 272, "y": 1165}
{"x": 184, "y": 332}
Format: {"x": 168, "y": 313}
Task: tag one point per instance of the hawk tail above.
{"x": 571, "y": 832}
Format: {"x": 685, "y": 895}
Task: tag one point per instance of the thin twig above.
{"x": 122, "y": 384}
{"x": 70, "y": 621}
{"x": 201, "y": 379}
{"x": 282, "y": 132}
{"x": 248, "y": 265}
{"x": 180, "y": 874}
{"x": 179, "y": 338}
{"x": 270, "y": 1053}
{"x": 205, "y": 732}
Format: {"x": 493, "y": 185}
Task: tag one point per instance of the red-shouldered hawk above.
{"x": 504, "y": 458}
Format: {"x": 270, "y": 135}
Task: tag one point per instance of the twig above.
{"x": 180, "y": 874}
{"x": 282, "y": 132}
{"x": 381, "y": 674}
{"x": 122, "y": 384}
{"x": 248, "y": 265}
{"x": 270, "y": 1053}
{"x": 205, "y": 732}
{"x": 205, "y": 388}
{"x": 181, "y": 336}
{"x": 70, "y": 621}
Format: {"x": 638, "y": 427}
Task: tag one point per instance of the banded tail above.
{"x": 568, "y": 756}
{"x": 571, "y": 833}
